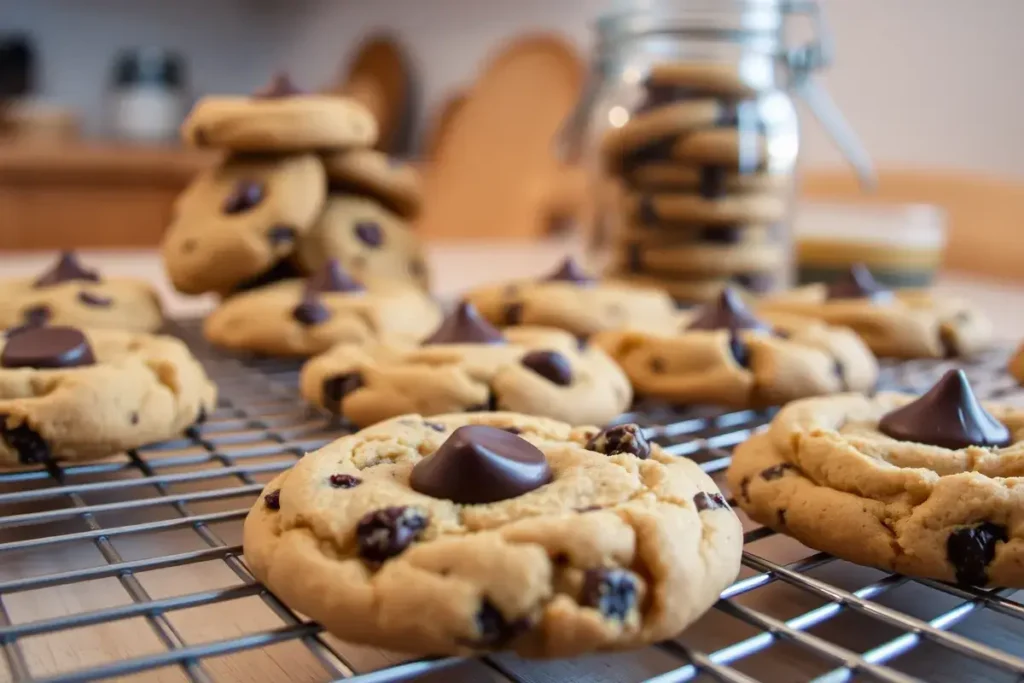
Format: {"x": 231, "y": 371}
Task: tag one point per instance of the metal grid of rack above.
{"x": 117, "y": 541}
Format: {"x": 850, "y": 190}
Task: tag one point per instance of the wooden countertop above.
{"x": 100, "y": 161}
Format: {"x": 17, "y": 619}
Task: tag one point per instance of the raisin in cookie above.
{"x": 279, "y": 118}
{"x": 304, "y": 317}
{"x": 725, "y": 355}
{"x": 239, "y": 220}
{"x": 68, "y": 293}
{"x": 367, "y": 239}
{"x": 905, "y": 324}
{"x": 369, "y": 172}
{"x": 66, "y": 394}
{"x": 495, "y": 531}
{"x": 470, "y": 366}
{"x": 571, "y": 300}
{"x": 921, "y": 486}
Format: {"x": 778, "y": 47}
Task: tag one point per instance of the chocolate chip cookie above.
{"x": 368, "y": 172}
{"x": 468, "y": 365}
{"x": 724, "y": 355}
{"x": 367, "y": 239}
{"x": 303, "y": 317}
{"x": 460, "y": 534}
{"x": 279, "y": 118}
{"x": 922, "y": 486}
{"x": 242, "y": 219}
{"x": 67, "y": 394}
{"x": 656, "y": 209}
{"x": 572, "y": 300}
{"x": 902, "y": 324}
{"x": 69, "y": 293}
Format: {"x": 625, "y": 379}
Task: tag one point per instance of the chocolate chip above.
{"x": 280, "y": 86}
{"x": 493, "y": 630}
{"x": 721, "y": 234}
{"x": 201, "y": 416}
{"x": 570, "y": 271}
{"x": 648, "y": 213}
{"x": 513, "y": 430}
{"x": 189, "y": 245}
{"x": 385, "y": 533}
{"x": 858, "y": 283}
{"x": 436, "y": 426}
{"x": 417, "y": 268}
{"x": 272, "y": 500}
{"x": 90, "y": 299}
{"x": 582, "y": 341}
{"x": 311, "y": 311}
{"x": 948, "y": 415}
{"x": 335, "y": 388}
{"x": 369, "y": 233}
{"x": 245, "y": 195}
{"x": 465, "y": 326}
{"x": 627, "y": 438}
{"x": 745, "y": 488}
{"x": 727, "y": 312}
{"x": 775, "y": 471}
{"x": 47, "y": 347}
{"x": 331, "y": 277}
{"x": 635, "y": 257}
{"x": 36, "y": 316}
{"x": 612, "y": 592}
{"x": 780, "y": 515}
{"x": 657, "y": 365}
{"x": 23, "y": 440}
{"x": 344, "y": 481}
{"x": 840, "y": 372}
{"x": 947, "y": 339}
{"x": 739, "y": 350}
{"x": 134, "y": 418}
{"x": 709, "y": 501}
{"x": 513, "y": 313}
{"x": 479, "y": 464}
{"x": 712, "y": 182}
{"x": 66, "y": 269}
{"x": 971, "y": 549}
{"x": 550, "y": 365}
{"x": 281, "y": 234}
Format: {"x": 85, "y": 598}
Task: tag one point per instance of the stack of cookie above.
{"x": 299, "y": 186}
{"x": 700, "y": 193}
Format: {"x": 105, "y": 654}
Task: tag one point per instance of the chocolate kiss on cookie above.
{"x": 858, "y": 283}
{"x": 47, "y": 347}
{"x": 333, "y": 278}
{"x": 66, "y": 269}
{"x": 728, "y": 312}
{"x": 570, "y": 271}
{"x": 465, "y": 326}
{"x": 480, "y": 464}
{"x": 949, "y": 416}
{"x": 281, "y": 85}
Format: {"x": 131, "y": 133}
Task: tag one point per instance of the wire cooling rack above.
{"x": 131, "y": 568}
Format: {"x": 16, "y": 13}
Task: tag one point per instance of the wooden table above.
{"x": 241, "y": 443}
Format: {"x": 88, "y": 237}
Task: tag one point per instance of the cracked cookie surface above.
{"x": 71, "y": 395}
{"x": 828, "y": 473}
{"x": 623, "y": 546}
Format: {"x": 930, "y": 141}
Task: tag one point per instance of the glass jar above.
{"x": 690, "y": 138}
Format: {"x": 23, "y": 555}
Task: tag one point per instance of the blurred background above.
{"x": 94, "y": 91}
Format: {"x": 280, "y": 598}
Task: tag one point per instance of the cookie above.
{"x": 728, "y": 148}
{"x": 67, "y": 394}
{"x": 511, "y": 532}
{"x": 306, "y": 317}
{"x": 241, "y": 219}
{"x": 68, "y": 293}
{"x": 368, "y": 172}
{"x": 722, "y": 354}
{"x": 700, "y": 260}
{"x": 650, "y": 125}
{"x": 657, "y": 209}
{"x": 708, "y": 180}
{"x": 279, "y": 119}
{"x": 468, "y": 365}
{"x": 367, "y": 239}
{"x": 571, "y": 300}
{"x": 706, "y": 77}
{"x": 903, "y": 324}
{"x": 918, "y": 486}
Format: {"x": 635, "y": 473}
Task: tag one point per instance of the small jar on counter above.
{"x": 690, "y": 135}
